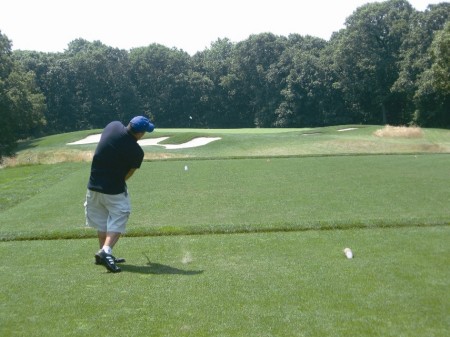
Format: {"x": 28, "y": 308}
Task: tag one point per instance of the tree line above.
{"x": 390, "y": 64}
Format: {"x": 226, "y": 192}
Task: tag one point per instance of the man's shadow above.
{"x": 157, "y": 269}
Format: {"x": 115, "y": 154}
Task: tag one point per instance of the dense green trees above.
{"x": 21, "y": 103}
{"x": 415, "y": 102}
{"x": 367, "y": 56}
{"x": 305, "y": 85}
{"x": 433, "y": 95}
{"x": 161, "y": 77}
{"x": 390, "y": 64}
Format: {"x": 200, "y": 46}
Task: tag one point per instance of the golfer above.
{"x": 107, "y": 205}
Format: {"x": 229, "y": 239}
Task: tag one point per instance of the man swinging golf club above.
{"x": 107, "y": 205}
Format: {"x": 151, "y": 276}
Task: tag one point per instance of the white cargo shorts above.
{"x": 107, "y": 212}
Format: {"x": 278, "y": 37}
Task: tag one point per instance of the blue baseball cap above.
{"x": 141, "y": 124}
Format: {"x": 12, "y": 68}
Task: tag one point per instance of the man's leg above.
{"x": 108, "y": 238}
{"x": 103, "y": 238}
{"x": 111, "y": 239}
{"x": 118, "y": 206}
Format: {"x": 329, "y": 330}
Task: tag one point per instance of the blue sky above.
{"x": 191, "y": 25}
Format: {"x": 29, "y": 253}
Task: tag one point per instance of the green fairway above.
{"x": 241, "y": 237}
{"x": 272, "y": 284}
{"x": 244, "y": 195}
{"x": 247, "y": 143}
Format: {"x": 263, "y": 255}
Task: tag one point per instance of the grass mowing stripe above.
{"x": 272, "y": 284}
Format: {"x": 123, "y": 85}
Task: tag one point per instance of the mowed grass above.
{"x": 266, "y": 284}
{"x": 245, "y": 195}
{"x": 268, "y": 213}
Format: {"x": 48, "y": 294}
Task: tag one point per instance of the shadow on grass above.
{"x": 158, "y": 269}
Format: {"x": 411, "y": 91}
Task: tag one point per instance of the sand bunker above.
{"x": 92, "y": 139}
{"x": 151, "y": 141}
{"x": 200, "y": 141}
{"x": 347, "y": 129}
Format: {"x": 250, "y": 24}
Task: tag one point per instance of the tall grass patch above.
{"x": 399, "y": 131}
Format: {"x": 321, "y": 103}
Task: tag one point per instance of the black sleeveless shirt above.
{"x": 116, "y": 153}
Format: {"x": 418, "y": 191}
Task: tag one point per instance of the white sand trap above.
{"x": 151, "y": 141}
{"x": 348, "y": 129}
{"x": 311, "y": 134}
{"x": 92, "y": 139}
{"x": 200, "y": 141}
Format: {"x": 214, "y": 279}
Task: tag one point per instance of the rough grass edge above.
{"x": 224, "y": 229}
